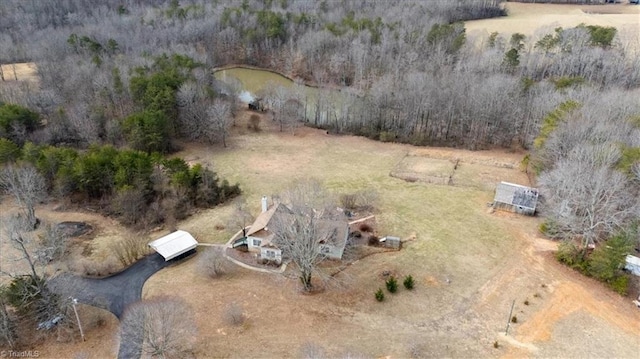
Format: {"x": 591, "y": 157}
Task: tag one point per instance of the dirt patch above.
{"x": 566, "y": 299}
{"x": 469, "y": 170}
{"x": 26, "y": 71}
{"x": 424, "y": 169}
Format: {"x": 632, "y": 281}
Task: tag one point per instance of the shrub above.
{"x": 569, "y": 254}
{"x": 373, "y": 240}
{"x": 9, "y": 151}
{"x": 311, "y": 350}
{"x": 526, "y": 302}
{"x": 567, "y": 81}
{"x": 130, "y": 249}
{"x": 348, "y": 201}
{"x": 234, "y": 315}
{"x": 387, "y": 136}
{"x": 496, "y": 344}
{"x": 606, "y": 261}
{"x": 364, "y": 227}
{"x": 24, "y": 292}
{"x": 514, "y": 319}
{"x": 408, "y": 282}
{"x": 254, "y": 123}
{"x": 16, "y": 120}
{"x": 620, "y": 285}
{"x": 129, "y": 205}
{"x": 392, "y": 284}
{"x": 213, "y": 262}
{"x": 95, "y": 268}
{"x": 379, "y": 295}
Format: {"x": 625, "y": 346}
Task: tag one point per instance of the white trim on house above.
{"x": 174, "y": 244}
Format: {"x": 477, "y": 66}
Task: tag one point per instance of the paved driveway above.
{"x": 112, "y": 293}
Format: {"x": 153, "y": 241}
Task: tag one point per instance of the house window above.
{"x": 256, "y": 242}
{"x": 271, "y": 254}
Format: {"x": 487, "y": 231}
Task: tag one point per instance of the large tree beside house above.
{"x": 306, "y": 230}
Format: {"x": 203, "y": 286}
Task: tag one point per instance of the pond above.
{"x": 253, "y": 80}
{"x": 319, "y": 105}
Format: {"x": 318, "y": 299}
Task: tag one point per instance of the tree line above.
{"x": 138, "y": 188}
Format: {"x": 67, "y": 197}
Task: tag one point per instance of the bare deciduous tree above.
{"x": 27, "y": 186}
{"x": 213, "y": 262}
{"x": 32, "y": 293}
{"x": 241, "y": 216}
{"x": 219, "y": 121}
{"x": 591, "y": 207}
{"x": 53, "y": 244}
{"x": 160, "y": 327}
{"x": 193, "y": 100}
{"x": 301, "y": 228}
{"x": 8, "y": 335}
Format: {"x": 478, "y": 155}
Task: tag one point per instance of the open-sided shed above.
{"x": 516, "y": 198}
{"x": 174, "y": 244}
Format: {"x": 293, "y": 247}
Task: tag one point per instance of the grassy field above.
{"x": 455, "y": 240}
{"x": 469, "y": 264}
{"x": 539, "y": 19}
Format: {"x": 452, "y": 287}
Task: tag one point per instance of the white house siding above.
{"x": 254, "y": 243}
{"x": 271, "y": 254}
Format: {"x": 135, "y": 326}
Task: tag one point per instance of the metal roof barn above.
{"x": 174, "y": 244}
{"x": 516, "y": 198}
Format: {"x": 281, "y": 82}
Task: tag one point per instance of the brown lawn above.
{"x": 469, "y": 265}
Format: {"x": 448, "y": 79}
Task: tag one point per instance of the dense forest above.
{"x": 137, "y": 74}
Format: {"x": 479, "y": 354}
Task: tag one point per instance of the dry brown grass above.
{"x": 539, "y": 19}
{"x": 468, "y": 265}
{"x": 459, "y": 252}
{"x": 25, "y": 71}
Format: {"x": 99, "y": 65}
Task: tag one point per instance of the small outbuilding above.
{"x": 174, "y": 244}
{"x": 391, "y": 242}
{"x": 516, "y": 198}
{"x": 632, "y": 264}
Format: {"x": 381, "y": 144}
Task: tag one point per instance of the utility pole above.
{"x": 506, "y": 331}
{"x": 74, "y": 301}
